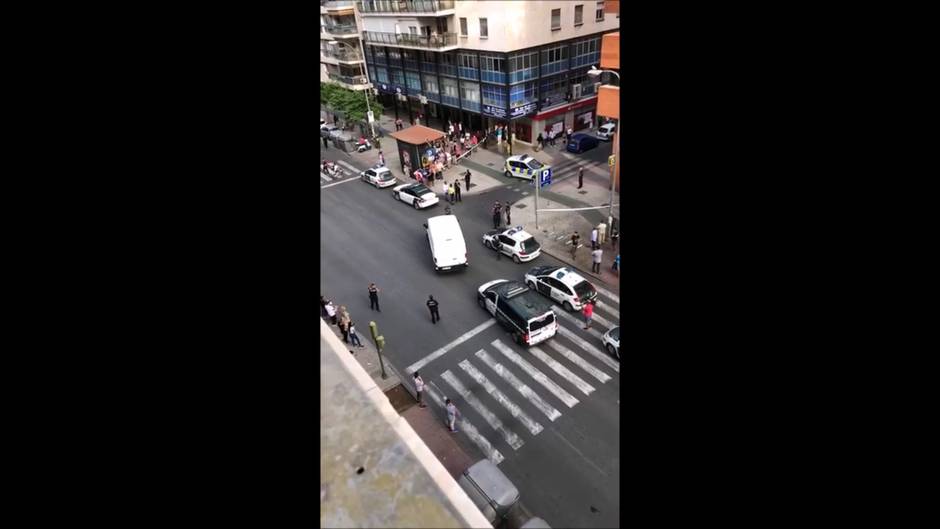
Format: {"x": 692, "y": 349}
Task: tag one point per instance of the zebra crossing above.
{"x": 508, "y": 394}
{"x": 349, "y": 171}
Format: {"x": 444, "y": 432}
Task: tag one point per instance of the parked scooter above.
{"x": 364, "y": 145}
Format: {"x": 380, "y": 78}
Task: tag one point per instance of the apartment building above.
{"x": 341, "y": 58}
{"x": 517, "y": 63}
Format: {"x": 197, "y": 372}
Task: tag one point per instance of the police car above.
{"x": 514, "y": 242}
{"x": 418, "y": 195}
{"x": 561, "y": 284}
{"x": 378, "y": 176}
{"x": 523, "y": 166}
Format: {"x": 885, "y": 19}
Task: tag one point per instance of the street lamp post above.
{"x": 594, "y": 73}
{"x": 362, "y": 67}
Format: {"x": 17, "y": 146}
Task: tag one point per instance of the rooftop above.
{"x": 417, "y": 135}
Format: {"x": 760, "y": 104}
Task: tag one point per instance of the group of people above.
{"x": 498, "y": 211}
{"x": 341, "y": 319}
{"x": 597, "y": 253}
{"x": 550, "y": 136}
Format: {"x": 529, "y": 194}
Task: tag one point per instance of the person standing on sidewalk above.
{"x": 596, "y": 257}
{"x": 344, "y": 328}
{"x": 588, "y": 312}
{"x": 594, "y": 238}
{"x": 575, "y": 240}
{"x": 466, "y": 178}
{"x": 331, "y": 311}
{"x": 497, "y": 215}
{"x": 354, "y": 338}
{"x": 539, "y": 140}
{"x": 457, "y": 189}
{"x": 508, "y": 211}
{"x": 419, "y": 390}
{"x": 374, "y": 297}
{"x": 614, "y": 235}
{"x": 451, "y": 193}
{"x": 381, "y": 159}
{"x": 452, "y": 414}
{"x": 615, "y": 268}
{"x": 432, "y": 306}
{"x": 580, "y": 177}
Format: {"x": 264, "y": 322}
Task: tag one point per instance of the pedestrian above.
{"x": 323, "y": 303}
{"x": 374, "y": 297}
{"x": 496, "y": 215}
{"x": 432, "y": 306}
{"x": 616, "y": 266}
{"x": 460, "y": 127}
{"x": 450, "y": 193}
{"x": 452, "y": 414}
{"x": 381, "y": 159}
{"x": 444, "y": 189}
{"x": 498, "y": 246}
{"x": 588, "y": 312}
{"x": 344, "y": 328}
{"x": 539, "y": 142}
{"x": 551, "y": 137}
{"x": 457, "y": 189}
{"x": 508, "y": 211}
{"x": 353, "y": 336}
{"x": 594, "y": 238}
{"x": 412, "y": 119}
{"x": 575, "y": 240}
{"x": 580, "y": 177}
{"x": 331, "y": 311}
{"x": 614, "y": 235}
{"x": 596, "y": 256}
{"x": 419, "y": 390}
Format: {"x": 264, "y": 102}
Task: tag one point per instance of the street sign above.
{"x": 371, "y": 116}
{"x": 546, "y": 177}
{"x": 610, "y": 160}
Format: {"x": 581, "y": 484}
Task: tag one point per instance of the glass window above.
{"x": 578, "y": 15}
{"x": 484, "y": 30}
{"x": 468, "y": 66}
{"x": 381, "y": 74}
{"x": 599, "y": 14}
{"x": 586, "y": 52}
{"x": 556, "y": 18}
{"x": 463, "y": 27}
{"x": 555, "y": 59}
{"x": 470, "y": 91}
{"x": 394, "y": 54}
{"x": 449, "y": 92}
{"x": 494, "y": 96}
{"x": 430, "y": 85}
{"x": 448, "y": 64}
{"x": 397, "y": 76}
{"x": 523, "y": 67}
{"x": 521, "y": 94}
{"x": 413, "y": 81}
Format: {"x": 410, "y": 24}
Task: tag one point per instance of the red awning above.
{"x": 566, "y": 108}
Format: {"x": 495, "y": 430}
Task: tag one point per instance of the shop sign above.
{"x": 496, "y": 112}
{"x": 522, "y": 111}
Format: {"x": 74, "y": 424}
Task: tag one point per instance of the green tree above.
{"x": 351, "y": 103}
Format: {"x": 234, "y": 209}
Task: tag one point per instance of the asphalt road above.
{"x": 568, "y": 473}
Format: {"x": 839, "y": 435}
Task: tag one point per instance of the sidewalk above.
{"x": 368, "y": 356}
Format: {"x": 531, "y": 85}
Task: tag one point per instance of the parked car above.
{"x": 448, "y": 249}
{"x": 417, "y": 195}
{"x": 561, "y": 284}
{"x": 514, "y": 242}
{"x": 581, "y": 142}
{"x": 490, "y": 490}
{"x": 327, "y": 129}
{"x": 523, "y": 166}
{"x": 612, "y": 342}
{"x": 378, "y": 176}
{"x": 519, "y": 310}
{"x": 606, "y": 131}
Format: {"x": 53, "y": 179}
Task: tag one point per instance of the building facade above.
{"x": 516, "y": 63}
{"x": 341, "y": 59}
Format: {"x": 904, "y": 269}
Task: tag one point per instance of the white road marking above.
{"x": 595, "y": 352}
{"x": 440, "y": 352}
{"x": 603, "y": 321}
{"x": 557, "y": 367}
{"x": 539, "y": 377}
{"x": 601, "y": 305}
{"x": 464, "y": 425}
{"x": 580, "y": 323}
{"x": 352, "y": 179}
{"x": 511, "y": 438}
{"x": 578, "y": 361}
{"x": 607, "y": 293}
{"x": 327, "y": 177}
{"x": 526, "y": 391}
{"x": 348, "y": 166}
{"x": 500, "y": 397}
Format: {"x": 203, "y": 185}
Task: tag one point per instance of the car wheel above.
{"x": 530, "y": 284}
{"x": 415, "y": 204}
{"x": 508, "y": 174}
{"x": 516, "y": 259}
{"x": 487, "y": 244}
{"x": 568, "y": 307}
{"x": 481, "y": 302}
{"x": 612, "y": 351}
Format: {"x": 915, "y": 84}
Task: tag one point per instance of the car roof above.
{"x": 517, "y": 233}
{"x": 608, "y": 125}
{"x": 519, "y": 158}
{"x": 567, "y": 276}
{"x": 416, "y": 187}
{"x": 579, "y": 136}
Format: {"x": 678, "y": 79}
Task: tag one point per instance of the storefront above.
{"x": 522, "y": 122}
{"x": 576, "y": 116}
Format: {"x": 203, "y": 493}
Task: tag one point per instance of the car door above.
{"x": 370, "y": 176}
{"x": 406, "y": 196}
{"x": 561, "y": 291}
{"x": 505, "y": 244}
{"x": 542, "y": 285}
{"x": 490, "y": 298}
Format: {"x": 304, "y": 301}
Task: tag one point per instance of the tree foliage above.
{"x": 351, "y": 103}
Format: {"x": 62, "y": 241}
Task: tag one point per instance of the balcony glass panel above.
{"x": 417, "y": 41}
{"x": 404, "y": 6}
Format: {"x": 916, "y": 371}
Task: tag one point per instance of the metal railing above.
{"x": 341, "y": 29}
{"x": 343, "y": 54}
{"x": 406, "y": 39}
{"x": 404, "y": 6}
{"x": 349, "y": 79}
{"x": 336, "y": 3}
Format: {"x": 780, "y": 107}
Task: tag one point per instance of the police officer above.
{"x": 374, "y": 297}
{"x": 432, "y": 306}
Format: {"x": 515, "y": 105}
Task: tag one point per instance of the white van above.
{"x": 606, "y": 131}
{"x": 448, "y": 249}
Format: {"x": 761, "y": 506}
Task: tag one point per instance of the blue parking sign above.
{"x": 545, "y": 178}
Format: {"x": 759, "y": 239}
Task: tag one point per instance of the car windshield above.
{"x": 386, "y": 175}
{"x": 615, "y": 333}
{"x": 584, "y": 289}
{"x": 535, "y": 164}
{"x": 535, "y": 325}
{"x": 420, "y": 189}
{"x": 529, "y": 245}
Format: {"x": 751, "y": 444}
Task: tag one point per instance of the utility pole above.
{"x": 537, "y": 181}
{"x": 613, "y": 176}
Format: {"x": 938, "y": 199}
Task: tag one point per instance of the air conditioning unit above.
{"x": 576, "y": 92}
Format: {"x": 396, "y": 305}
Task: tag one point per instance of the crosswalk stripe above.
{"x": 511, "y": 438}
{"x": 539, "y": 377}
{"x": 603, "y": 357}
{"x": 348, "y": 166}
{"x": 579, "y": 322}
{"x": 526, "y": 391}
{"x": 513, "y": 409}
{"x": 328, "y": 178}
{"x": 601, "y": 305}
{"x": 578, "y": 361}
{"x": 607, "y": 293}
{"x": 603, "y": 321}
{"x": 557, "y": 367}
{"x": 489, "y": 451}
{"x": 459, "y": 340}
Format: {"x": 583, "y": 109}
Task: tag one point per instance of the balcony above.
{"x": 344, "y": 55}
{"x": 406, "y": 40}
{"x": 356, "y": 82}
{"x": 341, "y": 30}
{"x": 392, "y": 7}
{"x": 337, "y": 7}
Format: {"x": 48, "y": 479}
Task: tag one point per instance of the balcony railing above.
{"x": 349, "y": 79}
{"x": 341, "y": 29}
{"x": 406, "y": 39}
{"x": 404, "y": 6}
{"x": 336, "y": 3}
{"x": 343, "y": 54}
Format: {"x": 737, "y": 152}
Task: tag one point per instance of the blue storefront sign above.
{"x": 496, "y": 112}
{"x": 522, "y": 111}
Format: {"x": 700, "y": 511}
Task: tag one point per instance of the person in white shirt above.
{"x": 331, "y": 311}
{"x": 594, "y": 238}
{"x": 419, "y": 389}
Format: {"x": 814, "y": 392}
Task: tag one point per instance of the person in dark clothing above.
{"x": 497, "y": 215}
{"x": 432, "y": 306}
{"x": 539, "y": 141}
{"x": 374, "y": 297}
{"x": 508, "y": 210}
{"x": 580, "y": 177}
{"x": 344, "y": 327}
{"x": 466, "y": 178}
{"x": 457, "y": 190}
{"x": 325, "y": 146}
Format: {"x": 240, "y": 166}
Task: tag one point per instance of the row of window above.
{"x": 556, "y": 20}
